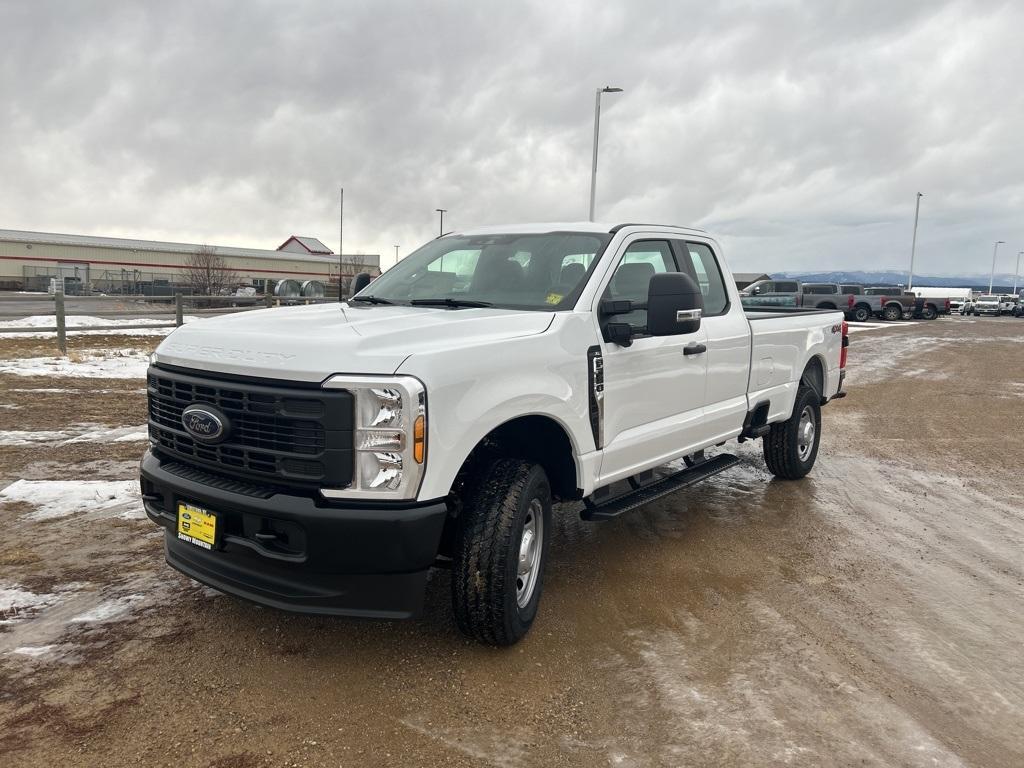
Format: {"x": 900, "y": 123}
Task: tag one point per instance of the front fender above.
{"x": 472, "y": 391}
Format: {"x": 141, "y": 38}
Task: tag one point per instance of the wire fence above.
{"x": 173, "y": 307}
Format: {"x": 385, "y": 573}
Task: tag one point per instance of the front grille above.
{"x": 286, "y": 435}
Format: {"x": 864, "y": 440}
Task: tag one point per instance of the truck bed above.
{"x": 780, "y": 338}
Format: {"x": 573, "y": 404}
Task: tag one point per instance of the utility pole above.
{"x": 442, "y": 211}
{"x": 1016, "y": 272}
{"x": 913, "y": 243}
{"x": 396, "y": 254}
{"x": 597, "y": 133}
{"x": 341, "y": 240}
{"x": 992, "y": 274}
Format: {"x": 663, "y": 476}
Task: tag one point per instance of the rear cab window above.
{"x": 701, "y": 263}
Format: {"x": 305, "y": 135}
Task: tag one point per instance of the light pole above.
{"x": 442, "y": 211}
{"x": 913, "y": 243}
{"x": 1016, "y": 272}
{"x": 396, "y": 254}
{"x": 597, "y": 132}
{"x": 992, "y": 274}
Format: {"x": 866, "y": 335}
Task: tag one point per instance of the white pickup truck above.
{"x": 324, "y": 458}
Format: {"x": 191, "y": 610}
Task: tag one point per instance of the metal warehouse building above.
{"x": 30, "y": 260}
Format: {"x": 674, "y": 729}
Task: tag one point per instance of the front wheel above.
{"x": 501, "y": 548}
{"x": 892, "y": 312}
{"x": 791, "y": 446}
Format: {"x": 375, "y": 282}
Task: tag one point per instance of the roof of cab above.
{"x": 564, "y": 226}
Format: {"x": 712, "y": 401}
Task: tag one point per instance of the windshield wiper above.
{"x": 371, "y": 300}
{"x": 449, "y": 302}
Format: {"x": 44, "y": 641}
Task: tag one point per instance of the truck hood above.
{"x": 310, "y": 343}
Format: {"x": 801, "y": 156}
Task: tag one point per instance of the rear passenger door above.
{"x": 728, "y": 343}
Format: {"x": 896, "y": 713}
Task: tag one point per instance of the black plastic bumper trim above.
{"x": 354, "y": 560}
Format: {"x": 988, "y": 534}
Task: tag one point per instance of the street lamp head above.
{"x": 1000, "y": 242}
{"x": 441, "y": 210}
{"x": 611, "y": 89}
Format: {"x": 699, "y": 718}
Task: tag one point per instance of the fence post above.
{"x": 178, "y": 320}
{"x": 62, "y": 333}
{"x": 268, "y": 299}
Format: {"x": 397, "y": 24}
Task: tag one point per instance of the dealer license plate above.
{"x": 196, "y": 525}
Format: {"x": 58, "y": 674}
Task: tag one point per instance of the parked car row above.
{"x": 859, "y": 303}
{"x": 994, "y": 305}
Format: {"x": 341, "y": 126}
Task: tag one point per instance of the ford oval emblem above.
{"x": 205, "y": 423}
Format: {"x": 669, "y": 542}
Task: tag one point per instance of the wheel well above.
{"x": 814, "y": 376}
{"x": 862, "y": 304}
{"x": 539, "y": 439}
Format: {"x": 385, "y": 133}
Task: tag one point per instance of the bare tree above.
{"x": 354, "y": 265}
{"x": 207, "y": 273}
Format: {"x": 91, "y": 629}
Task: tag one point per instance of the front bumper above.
{"x": 298, "y": 553}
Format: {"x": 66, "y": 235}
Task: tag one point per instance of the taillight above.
{"x": 846, "y": 345}
{"x": 850, "y": 302}
{"x": 947, "y": 305}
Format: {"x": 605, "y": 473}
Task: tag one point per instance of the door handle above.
{"x": 695, "y": 349}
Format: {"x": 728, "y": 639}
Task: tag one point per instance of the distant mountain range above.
{"x": 1003, "y": 282}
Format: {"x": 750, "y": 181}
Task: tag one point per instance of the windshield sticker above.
{"x": 554, "y": 298}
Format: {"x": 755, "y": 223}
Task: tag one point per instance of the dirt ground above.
{"x": 868, "y": 615}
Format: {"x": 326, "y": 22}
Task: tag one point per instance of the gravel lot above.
{"x": 868, "y": 615}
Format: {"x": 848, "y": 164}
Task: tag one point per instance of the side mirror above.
{"x": 755, "y": 290}
{"x": 360, "y": 281}
{"x": 674, "y": 304}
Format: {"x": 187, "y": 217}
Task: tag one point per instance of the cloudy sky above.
{"x": 796, "y": 131}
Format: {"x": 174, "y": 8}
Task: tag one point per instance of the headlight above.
{"x": 390, "y": 436}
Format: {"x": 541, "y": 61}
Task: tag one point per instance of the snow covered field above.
{"x": 80, "y": 325}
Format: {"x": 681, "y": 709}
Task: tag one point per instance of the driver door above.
{"x": 654, "y": 388}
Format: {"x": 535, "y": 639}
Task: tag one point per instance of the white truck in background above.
{"x": 324, "y": 458}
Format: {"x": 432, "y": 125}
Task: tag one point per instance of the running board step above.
{"x": 682, "y": 479}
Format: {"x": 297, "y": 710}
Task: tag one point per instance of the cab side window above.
{"x": 709, "y": 278}
{"x": 641, "y": 260}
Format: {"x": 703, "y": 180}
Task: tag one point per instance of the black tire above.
{"x": 928, "y": 312}
{"x": 783, "y": 453}
{"x": 485, "y": 567}
{"x": 861, "y": 313}
{"x": 892, "y": 312}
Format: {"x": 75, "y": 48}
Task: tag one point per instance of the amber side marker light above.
{"x": 419, "y": 439}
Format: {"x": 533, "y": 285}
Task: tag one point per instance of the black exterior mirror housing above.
{"x": 674, "y": 304}
{"x": 360, "y": 281}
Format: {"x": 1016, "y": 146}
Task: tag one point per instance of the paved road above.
{"x": 867, "y": 615}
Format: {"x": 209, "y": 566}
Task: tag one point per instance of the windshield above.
{"x": 989, "y": 298}
{"x": 535, "y": 272}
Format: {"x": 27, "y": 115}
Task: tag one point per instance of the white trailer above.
{"x": 925, "y": 292}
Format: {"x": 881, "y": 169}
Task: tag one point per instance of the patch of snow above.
{"x": 109, "y": 610}
{"x": 77, "y": 325}
{"x": 16, "y": 603}
{"x": 9, "y": 407}
{"x": 60, "y": 498}
{"x": 34, "y": 650}
{"x": 115, "y": 364}
{"x": 76, "y": 433}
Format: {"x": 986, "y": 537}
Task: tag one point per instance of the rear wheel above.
{"x": 861, "y": 313}
{"x": 791, "y": 446}
{"x": 928, "y": 312}
{"x": 500, "y": 551}
{"x": 892, "y": 312}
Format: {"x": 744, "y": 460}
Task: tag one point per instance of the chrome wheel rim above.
{"x": 530, "y": 547}
{"x": 805, "y": 433}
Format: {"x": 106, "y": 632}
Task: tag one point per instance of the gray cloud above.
{"x": 798, "y": 132}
